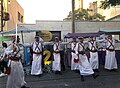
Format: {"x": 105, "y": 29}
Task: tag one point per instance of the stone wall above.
{"x": 65, "y": 27}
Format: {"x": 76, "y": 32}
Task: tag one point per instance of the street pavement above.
{"x": 70, "y": 79}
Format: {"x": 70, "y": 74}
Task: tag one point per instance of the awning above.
{"x": 20, "y": 29}
{"x": 114, "y": 32}
{"x": 85, "y": 35}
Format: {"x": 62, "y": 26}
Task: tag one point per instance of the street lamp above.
{"x": 1, "y": 15}
{"x": 73, "y": 16}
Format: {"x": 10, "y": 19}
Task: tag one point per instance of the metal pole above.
{"x": 73, "y": 16}
{"x": 1, "y": 15}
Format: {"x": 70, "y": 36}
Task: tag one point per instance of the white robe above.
{"x": 56, "y": 66}
{"x": 74, "y": 66}
{"x": 110, "y": 60}
{"x": 93, "y": 57}
{"x": 85, "y": 67}
{"x": 37, "y": 60}
{"x": 16, "y": 77}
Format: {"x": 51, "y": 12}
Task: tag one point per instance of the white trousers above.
{"x": 94, "y": 60}
{"x": 56, "y": 66}
{"x": 16, "y": 77}
{"x": 110, "y": 60}
{"x": 85, "y": 67}
{"x": 36, "y": 65}
{"x": 74, "y": 66}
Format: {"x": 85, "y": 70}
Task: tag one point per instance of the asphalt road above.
{"x": 70, "y": 79}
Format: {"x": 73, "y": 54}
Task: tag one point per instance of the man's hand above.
{"x": 14, "y": 49}
{"x": 0, "y": 59}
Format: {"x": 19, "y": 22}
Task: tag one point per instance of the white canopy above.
{"x": 20, "y": 29}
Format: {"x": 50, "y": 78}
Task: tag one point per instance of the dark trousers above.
{"x": 3, "y": 64}
{"x": 62, "y": 60}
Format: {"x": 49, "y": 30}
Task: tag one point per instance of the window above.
{"x": 20, "y": 17}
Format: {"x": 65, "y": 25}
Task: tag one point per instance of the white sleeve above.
{"x": 48, "y": 43}
{"x": 76, "y": 51}
{"x": 8, "y": 51}
{"x": 41, "y": 40}
{"x": 65, "y": 43}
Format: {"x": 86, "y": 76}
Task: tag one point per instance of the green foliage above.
{"x": 108, "y": 3}
{"x": 83, "y": 15}
{"x": 98, "y": 17}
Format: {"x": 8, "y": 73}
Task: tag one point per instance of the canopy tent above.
{"x": 20, "y": 29}
{"x": 114, "y": 32}
{"x": 85, "y": 35}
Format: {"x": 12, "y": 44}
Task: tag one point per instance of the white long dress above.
{"x": 37, "y": 59}
{"x": 85, "y": 67}
{"x": 16, "y": 77}
{"x": 56, "y": 66}
{"x": 93, "y": 55}
{"x": 110, "y": 60}
{"x": 74, "y": 66}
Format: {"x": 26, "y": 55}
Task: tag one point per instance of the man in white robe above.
{"x": 56, "y": 65}
{"x": 93, "y": 54}
{"x": 16, "y": 75}
{"x": 36, "y": 69}
{"x": 85, "y": 67}
{"x": 74, "y": 56}
{"x": 110, "y": 60}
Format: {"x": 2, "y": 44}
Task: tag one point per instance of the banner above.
{"x": 45, "y": 35}
{"x": 6, "y": 38}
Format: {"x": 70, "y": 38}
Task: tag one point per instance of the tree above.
{"x": 108, "y": 3}
{"x": 98, "y": 17}
{"x": 83, "y": 15}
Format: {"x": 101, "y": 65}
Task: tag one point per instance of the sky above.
{"x": 46, "y": 9}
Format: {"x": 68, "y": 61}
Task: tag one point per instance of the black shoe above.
{"x": 82, "y": 78}
{"x": 95, "y": 76}
{"x": 25, "y": 87}
{"x": 63, "y": 69}
{"x": 59, "y": 72}
{"x": 39, "y": 75}
{"x": 96, "y": 70}
{"x": 108, "y": 70}
{"x": 114, "y": 70}
{"x": 77, "y": 71}
{"x": 56, "y": 72}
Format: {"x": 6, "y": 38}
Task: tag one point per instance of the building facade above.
{"x": 93, "y": 8}
{"x": 3, "y": 8}
{"x": 108, "y": 13}
{"x": 16, "y": 14}
{"x": 78, "y": 4}
{"x": 66, "y": 27}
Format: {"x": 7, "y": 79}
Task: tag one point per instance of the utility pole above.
{"x": 73, "y": 16}
{"x": 1, "y": 15}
